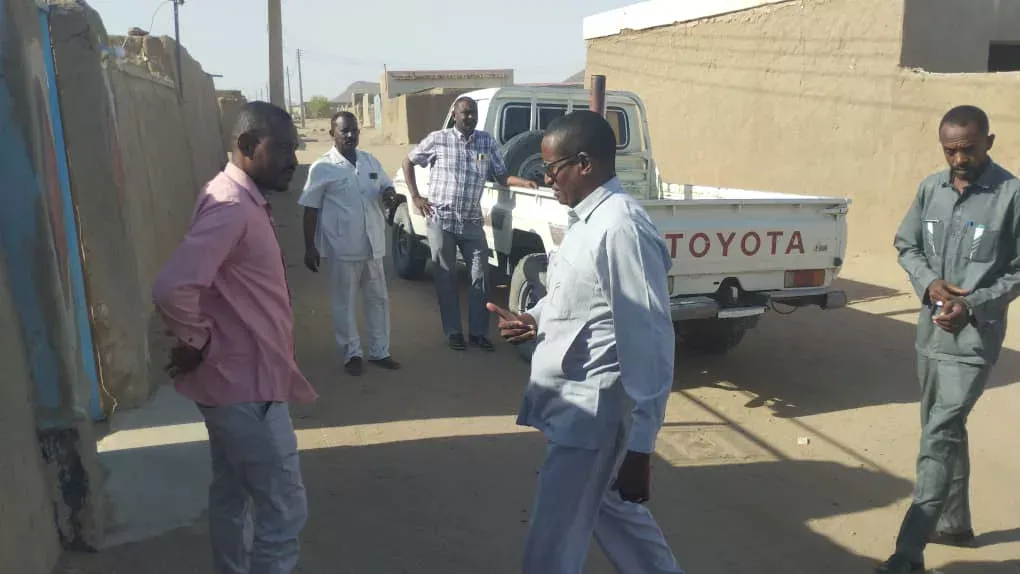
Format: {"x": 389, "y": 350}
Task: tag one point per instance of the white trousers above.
{"x": 347, "y": 279}
{"x": 256, "y": 471}
{"x": 573, "y": 501}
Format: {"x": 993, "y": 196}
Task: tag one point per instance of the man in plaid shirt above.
{"x": 462, "y": 160}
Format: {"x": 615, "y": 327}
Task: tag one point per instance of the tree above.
{"x": 318, "y": 107}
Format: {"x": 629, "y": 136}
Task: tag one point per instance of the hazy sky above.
{"x": 347, "y": 41}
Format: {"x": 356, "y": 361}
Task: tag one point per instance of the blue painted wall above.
{"x": 25, "y": 239}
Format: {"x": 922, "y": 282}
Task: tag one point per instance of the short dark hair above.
{"x": 584, "y": 131}
{"x": 465, "y": 99}
{"x": 342, "y": 114}
{"x": 964, "y": 116}
{"x": 259, "y": 118}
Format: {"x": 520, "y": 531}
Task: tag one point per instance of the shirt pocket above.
{"x": 572, "y": 287}
{"x": 482, "y": 165}
{"x": 933, "y": 232}
{"x": 982, "y": 244}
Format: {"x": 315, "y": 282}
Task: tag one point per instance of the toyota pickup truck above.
{"x": 736, "y": 253}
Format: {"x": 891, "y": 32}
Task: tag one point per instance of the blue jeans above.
{"x": 475, "y": 251}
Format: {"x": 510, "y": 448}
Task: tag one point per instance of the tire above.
{"x": 712, "y": 336}
{"x": 523, "y": 156}
{"x": 527, "y": 286}
{"x": 407, "y": 249}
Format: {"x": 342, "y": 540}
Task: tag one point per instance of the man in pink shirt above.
{"x": 224, "y": 295}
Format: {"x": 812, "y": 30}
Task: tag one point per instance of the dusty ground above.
{"x": 793, "y": 454}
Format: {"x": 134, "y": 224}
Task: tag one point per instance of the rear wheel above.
{"x": 527, "y": 286}
{"x": 712, "y": 336}
{"x": 408, "y": 250}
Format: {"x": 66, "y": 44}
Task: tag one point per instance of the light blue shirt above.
{"x": 605, "y": 337}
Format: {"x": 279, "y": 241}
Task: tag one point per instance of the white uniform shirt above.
{"x": 349, "y": 199}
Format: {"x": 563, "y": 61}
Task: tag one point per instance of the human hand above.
{"x": 183, "y": 360}
{"x": 424, "y": 206}
{"x": 940, "y": 290}
{"x": 954, "y": 315}
{"x": 521, "y": 182}
{"x": 513, "y": 328}
{"x": 312, "y": 259}
{"x": 634, "y": 479}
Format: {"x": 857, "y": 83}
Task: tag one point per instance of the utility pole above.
{"x": 290, "y": 100}
{"x": 275, "y": 53}
{"x": 301, "y": 88}
{"x": 177, "y": 51}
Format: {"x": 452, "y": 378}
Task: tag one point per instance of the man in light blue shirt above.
{"x": 603, "y": 366}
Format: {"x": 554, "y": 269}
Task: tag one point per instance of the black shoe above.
{"x": 456, "y": 341}
{"x": 965, "y": 539}
{"x": 355, "y": 367}
{"x": 482, "y": 343}
{"x": 386, "y": 363}
{"x": 897, "y": 564}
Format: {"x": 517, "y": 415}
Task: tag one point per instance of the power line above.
{"x": 177, "y": 49}
{"x": 301, "y": 88}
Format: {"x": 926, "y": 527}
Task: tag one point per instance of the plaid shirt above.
{"x": 460, "y": 167}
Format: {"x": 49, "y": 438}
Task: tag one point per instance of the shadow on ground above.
{"x": 813, "y": 362}
{"x": 461, "y": 506}
{"x": 1012, "y": 567}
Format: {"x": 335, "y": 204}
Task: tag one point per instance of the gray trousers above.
{"x": 573, "y": 501}
{"x": 255, "y": 471}
{"x": 475, "y": 251}
{"x": 949, "y": 391}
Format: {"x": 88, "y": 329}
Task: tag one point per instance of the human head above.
{"x": 344, "y": 129}
{"x": 465, "y": 115}
{"x": 966, "y": 140}
{"x": 579, "y": 151}
{"x": 265, "y": 145}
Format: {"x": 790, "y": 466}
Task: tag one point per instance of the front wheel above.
{"x": 407, "y": 249}
{"x": 712, "y": 336}
{"x": 527, "y": 286}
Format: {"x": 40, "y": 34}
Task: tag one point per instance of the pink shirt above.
{"x": 225, "y": 285}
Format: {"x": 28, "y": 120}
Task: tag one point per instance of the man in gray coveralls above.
{"x": 959, "y": 245}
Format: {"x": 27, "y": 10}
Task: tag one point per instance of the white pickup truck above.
{"x": 736, "y": 253}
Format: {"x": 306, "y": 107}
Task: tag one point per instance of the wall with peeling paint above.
{"x": 45, "y": 314}
{"x": 138, "y": 152}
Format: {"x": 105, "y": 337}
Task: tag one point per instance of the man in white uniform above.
{"x": 343, "y": 201}
{"x": 603, "y": 367}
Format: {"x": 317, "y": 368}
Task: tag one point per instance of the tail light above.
{"x": 805, "y": 278}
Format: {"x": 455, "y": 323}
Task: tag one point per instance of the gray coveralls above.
{"x": 970, "y": 240}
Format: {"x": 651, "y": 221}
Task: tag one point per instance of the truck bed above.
{"x": 762, "y": 241}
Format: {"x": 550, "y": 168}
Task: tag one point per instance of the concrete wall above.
{"x": 952, "y": 36}
{"x": 54, "y": 492}
{"x": 28, "y": 541}
{"x": 804, "y": 97}
{"x": 138, "y": 154}
{"x": 407, "y": 119}
{"x": 231, "y": 102}
{"x": 199, "y": 107}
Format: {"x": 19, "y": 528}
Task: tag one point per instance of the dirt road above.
{"x": 792, "y": 454}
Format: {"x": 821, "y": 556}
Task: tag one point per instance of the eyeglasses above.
{"x": 553, "y": 168}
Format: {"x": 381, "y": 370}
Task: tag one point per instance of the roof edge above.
{"x": 656, "y": 13}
